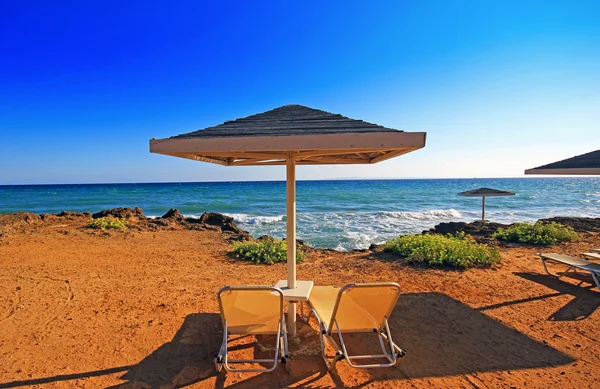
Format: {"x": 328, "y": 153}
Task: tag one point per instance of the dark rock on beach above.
{"x": 579, "y": 224}
{"x": 215, "y": 219}
{"x": 226, "y": 223}
{"x": 173, "y": 214}
{"x": 70, "y": 214}
{"x": 17, "y": 221}
{"x": 20, "y": 218}
{"x": 65, "y": 215}
{"x": 477, "y": 229}
{"x": 122, "y": 213}
{"x": 483, "y": 231}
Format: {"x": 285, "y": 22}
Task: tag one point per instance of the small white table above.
{"x": 298, "y": 294}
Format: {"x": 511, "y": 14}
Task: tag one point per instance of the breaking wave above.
{"x": 256, "y": 219}
{"x": 433, "y": 214}
{"x": 347, "y": 230}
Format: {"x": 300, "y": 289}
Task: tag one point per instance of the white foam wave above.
{"x": 349, "y": 230}
{"x": 340, "y": 247}
{"x": 590, "y": 201}
{"x": 255, "y": 219}
{"x": 433, "y": 214}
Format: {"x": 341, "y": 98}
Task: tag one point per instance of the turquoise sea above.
{"x": 341, "y": 214}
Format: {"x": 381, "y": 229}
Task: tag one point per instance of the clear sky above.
{"x": 499, "y": 86}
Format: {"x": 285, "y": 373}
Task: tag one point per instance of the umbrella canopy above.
{"x": 310, "y": 136}
{"x": 291, "y": 135}
{"x": 579, "y": 165}
{"x": 483, "y": 193}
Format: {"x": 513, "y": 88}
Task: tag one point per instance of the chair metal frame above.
{"x": 383, "y": 334}
{"x": 281, "y": 346}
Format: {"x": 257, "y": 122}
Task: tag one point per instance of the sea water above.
{"x": 340, "y": 214}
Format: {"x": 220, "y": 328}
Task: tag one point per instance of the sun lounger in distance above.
{"x": 356, "y": 308}
{"x": 252, "y": 310}
{"x": 573, "y": 263}
{"x": 591, "y": 255}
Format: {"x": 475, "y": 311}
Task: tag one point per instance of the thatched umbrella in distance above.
{"x": 483, "y": 193}
{"x": 585, "y": 164}
{"x": 291, "y": 135}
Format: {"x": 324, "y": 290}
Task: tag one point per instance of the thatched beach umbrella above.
{"x": 291, "y": 135}
{"x": 483, "y": 193}
{"x": 585, "y": 164}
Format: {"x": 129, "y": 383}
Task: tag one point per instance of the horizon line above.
{"x": 303, "y": 180}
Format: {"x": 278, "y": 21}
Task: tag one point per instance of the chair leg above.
{"x": 392, "y": 356}
{"x": 219, "y": 359}
{"x": 400, "y": 352}
{"x": 595, "y": 277}
{"x": 222, "y": 359}
{"x": 302, "y": 316}
{"x": 323, "y": 334}
{"x": 283, "y": 346}
{"x": 555, "y": 275}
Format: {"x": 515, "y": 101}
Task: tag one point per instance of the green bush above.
{"x": 544, "y": 234}
{"x": 107, "y": 223}
{"x": 436, "y": 250}
{"x": 267, "y": 251}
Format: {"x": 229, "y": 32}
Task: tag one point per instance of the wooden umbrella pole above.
{"x": 483, "y": 208}
{"x": 291, "y": 239}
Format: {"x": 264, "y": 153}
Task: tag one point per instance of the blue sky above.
{"x": 498, "y": 86}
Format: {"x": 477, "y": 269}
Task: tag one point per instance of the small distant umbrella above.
{"x": 585, "y": 164}
{"x": 483, "y": 193}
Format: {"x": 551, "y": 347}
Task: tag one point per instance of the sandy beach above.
{"x": 137, "y": 309}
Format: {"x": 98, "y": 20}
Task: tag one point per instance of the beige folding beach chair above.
{"x": 356, "y": 308}
{"x": 252, "y": 310}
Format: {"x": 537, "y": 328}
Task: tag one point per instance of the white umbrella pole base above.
{"x": 291, "y": 319}
{"x": 292, "y": 296}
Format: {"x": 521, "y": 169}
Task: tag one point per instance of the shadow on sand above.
{"x": 442, "y": 336}
{"x": 185, "y": 360}
{"x": 446, "y": 337}
{"x": 585, "y": 299}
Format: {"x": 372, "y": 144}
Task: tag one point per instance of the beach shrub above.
{"x": 458, "y": 250}
{"x": 543, "y": 234}
{"x": 266, "y": 251}
{"x": 108, "y": 223}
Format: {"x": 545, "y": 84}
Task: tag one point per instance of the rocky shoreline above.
{"x": 174, "y": 220}
{"x": 137, "y": 221}
{"x": 484, "y": 231}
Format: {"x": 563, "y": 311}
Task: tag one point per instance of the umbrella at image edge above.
{"x": 483, "y": 193}
{"x": 291, "y": 135}
{"x": 585, "y": 164}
